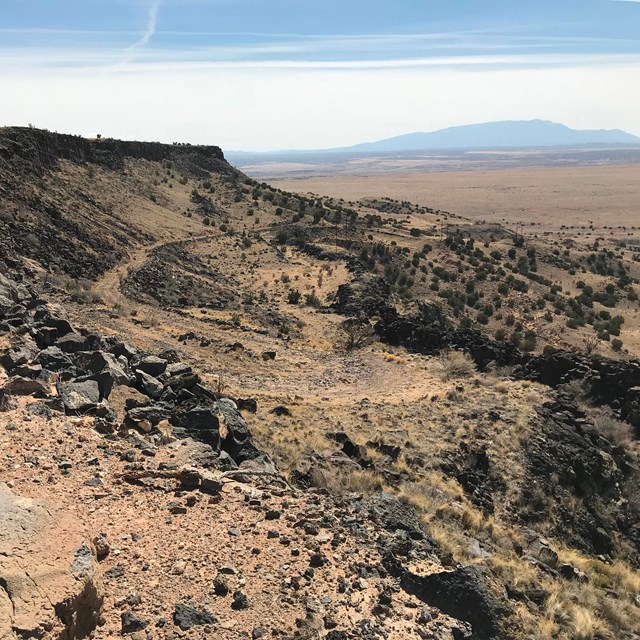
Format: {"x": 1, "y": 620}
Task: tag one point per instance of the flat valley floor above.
{"x": 550, "y": 197}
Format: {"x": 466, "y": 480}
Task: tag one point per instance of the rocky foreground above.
{"x": 134, "y": 502}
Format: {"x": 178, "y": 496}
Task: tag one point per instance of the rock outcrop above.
{"x": 48, "y": 577}
{"x": 40, "y": 149}
{"x": 87, "y": 367}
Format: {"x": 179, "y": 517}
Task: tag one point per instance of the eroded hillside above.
{"x": 440, "y": 398}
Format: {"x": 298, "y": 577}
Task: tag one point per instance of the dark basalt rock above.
{"x": 44, "y": 318}
{"x": 615, "y": 383}
{"x": 357, "y": 453}
{"x": 123, "y": 349}
{"x": 462, "y": 594}
{"x": 182, "y": 381}
{"x": 54, "y": 233}
{"x": 485, "y": 350}
{"x": 149, "y": 385}
{"x": 570, "y": 463}
{"x": 151, "y": 365}
{"x": 154, "y": 413}
{"x": 12, "y": 292}
{"x": 72, "y": 342}
{"x": 393, "y": 515}
{"x": 187, "y": 617}
{"x": 32, "y": 371}
{"x": 247, "y": 404}
{"x": 238, "y": 442}
{"x": 166, "y": 278}
{"x": 53, "y": 359}
{"x": 97, "y": 361}
{"x": 43, "y": 149}
{"x": 132, "y": 623}
{"x": 610, "y": 382}
{"x": 472, "y": 468}
{"x": 80, "y": 397}
{"x": 15, "y": 357}
{"x": 200, "y": 423}
{"x": 20, "y": 386}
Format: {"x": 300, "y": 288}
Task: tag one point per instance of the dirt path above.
{"x": 107, "y": 287}
{"x": 312, "y": 371}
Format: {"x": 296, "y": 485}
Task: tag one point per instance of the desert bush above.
{"x": 312, "y": 300}
{"x": 354, "y": 333}
{"x": 456, "y": 364}
{"x": 617, "y": 432}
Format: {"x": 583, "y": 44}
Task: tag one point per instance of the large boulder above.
{"x": 72, "y": 342}
{"x": 463, "y": 594}
{"x": 53, "y": 317}
{"x": 53, "y": 359}
{"x": 182, "y": 382}
{"x": 238, "y": 442}
{"x": 201, "y": 423}
{"x": 15, "y": 357}
{"x": 99, "y": 361}
{"x": 149, "y": 385}
{"x": 153, "y": 413}
{"x": 80, "y": 397}
{"x": 48, "y": 580}
{"x": 151, "y": 365}
{"x": 19, "y": 386}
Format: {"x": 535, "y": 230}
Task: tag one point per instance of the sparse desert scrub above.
{"x": 617, "y": 432}
{"x": 354, "y": 333}
{"x": 456, "y": 364}
{"x": 338, "y": 481}
{"x": 428, "y": 406}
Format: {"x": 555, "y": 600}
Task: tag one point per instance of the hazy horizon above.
{"x": 279, "y": 74}
{"x": 483, "y": 127}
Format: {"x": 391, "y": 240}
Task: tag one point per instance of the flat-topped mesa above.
{"x": 43, "y": 149}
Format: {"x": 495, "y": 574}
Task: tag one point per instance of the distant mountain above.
{"x": 491, "y": 135}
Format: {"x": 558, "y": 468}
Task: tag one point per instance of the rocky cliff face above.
{"x": 39, "y": 150}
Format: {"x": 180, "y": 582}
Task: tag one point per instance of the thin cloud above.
{"x": 278, "y": 57}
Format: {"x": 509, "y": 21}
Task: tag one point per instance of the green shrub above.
{"x": 312, "y": 300}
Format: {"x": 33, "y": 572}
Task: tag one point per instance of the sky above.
{"x": 303, "y": 74}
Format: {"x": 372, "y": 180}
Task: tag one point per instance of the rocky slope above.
{"x": 252, "y": 413}
{"x": 174, "y": 520}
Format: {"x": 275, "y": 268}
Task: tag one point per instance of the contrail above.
{"x": 151, "y": 26}
{"x": 130, "y": 52}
